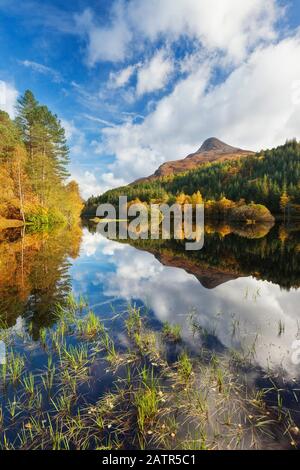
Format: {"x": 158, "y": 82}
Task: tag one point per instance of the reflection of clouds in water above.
{"x": 251, "y": 308}
{"x": 96, "y": 243}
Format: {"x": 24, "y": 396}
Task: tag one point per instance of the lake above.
{"x": 237, "y": 298}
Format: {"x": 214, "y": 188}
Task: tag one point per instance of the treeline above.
{"x": 33, "y": 168}
{"x": 270, "y": 178}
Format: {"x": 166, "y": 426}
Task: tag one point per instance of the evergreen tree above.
{"x": 33, "y": 166}
{"x": 26, "y": 118}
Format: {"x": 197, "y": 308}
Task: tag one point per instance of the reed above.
{"x": 133, "y": 322}
{"x": 184, "y": 367}
{"x": 146, "y": 402}
{"x": 171, "y": 332}
{"x": 28, "y": 384}
{"x": 15, "y": 366}
{"x": 90, "y": 326}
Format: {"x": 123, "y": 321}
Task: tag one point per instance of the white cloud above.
{"x": 8, "y": 98}
{"x": 43, "y": 69}
{"x": 122, "y": 77}
{"x": 76, "y": 138}
{"x": 254, "y": 107}
{"x": 140, "y": 148}
{"x": 88, "y": 183}
{"x": 111, "y": 181}
{"x": 154, "y": 75}
{"x": 233, "y": 26}
{"x": 70, "y": 128}
{"x": 105, "y": 43}
{"x": 92, "y": 183}
{"x": 93, "y": 243}
{"x": 99, "y": 120}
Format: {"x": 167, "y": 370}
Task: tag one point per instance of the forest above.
{"x": 268, "y": 181}
{"x": 34, "y": 156}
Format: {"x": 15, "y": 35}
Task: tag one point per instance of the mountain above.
{"x": 268, "y": 178}
{"x": 210, "y": 277}
{"x": 211, "y": 150}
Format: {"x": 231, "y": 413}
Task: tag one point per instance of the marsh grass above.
{"x": 15, "y": 366}
{"x": 90, "y": 326}
{"x": 146, "y": 401}
{"x": 184, "y": 367}
{"x": 196, "y": 401}
{"x": 133, "y": 322}
{"x": 171, "y": 332}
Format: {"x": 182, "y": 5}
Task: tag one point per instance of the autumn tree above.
{"x": 284, "y": 201}
{"x": 34, "y": 159}
{"x": 196, "y": 198}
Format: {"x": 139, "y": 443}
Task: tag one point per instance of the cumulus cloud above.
{"x": 76, "y": 138}
{"x": 93, "y": 183}
{"x": 70, "y": 129}
{"x": 88, "y": 183}
{"x": 105, "y": 43}
{"x": 8, "y": 98}
{"x": 254, "y": 107}
{"x": 232, "y": 26}
{"x": 122, "y": 77}
{"x": 140, "y": 148}
{"x": 154, "y": 75}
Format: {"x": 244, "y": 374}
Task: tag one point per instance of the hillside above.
{"x": 270, "y": 178}
{"x": 212, "y": 150}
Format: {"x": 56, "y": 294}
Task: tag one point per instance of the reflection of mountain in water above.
{"x": 209, "y": 277}
{"x": 34, "y": 273}
{"x": 271, "y": 254}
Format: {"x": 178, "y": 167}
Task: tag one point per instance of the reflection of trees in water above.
{"x": 34, "y": 274}
{"x": 265, "y": 252}
{"x": 269, "y": 258}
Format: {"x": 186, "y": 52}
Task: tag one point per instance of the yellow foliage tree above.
{"x": 180, "y": 199}
{"x": 196, "y": 198}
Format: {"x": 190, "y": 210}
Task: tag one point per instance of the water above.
{"x": 242, "y": 291}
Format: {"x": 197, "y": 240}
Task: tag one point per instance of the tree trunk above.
{"x": 21, "y": 193}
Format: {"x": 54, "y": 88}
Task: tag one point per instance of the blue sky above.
{"x": 139, "y": 82}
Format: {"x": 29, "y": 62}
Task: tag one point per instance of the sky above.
{"x": 140, "y": 82}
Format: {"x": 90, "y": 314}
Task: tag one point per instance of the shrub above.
{"x": 251, "y": 213}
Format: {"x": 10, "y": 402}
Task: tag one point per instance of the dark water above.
{"x": 242, "y": 289}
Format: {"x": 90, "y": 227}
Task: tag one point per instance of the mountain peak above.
{"x": 212, "y": 150}
{"x": 216, "y": 145}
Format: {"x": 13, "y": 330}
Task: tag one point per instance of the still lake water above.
{"x": 242, "y": 289}
{"x": 243, "y": 292}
